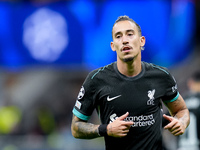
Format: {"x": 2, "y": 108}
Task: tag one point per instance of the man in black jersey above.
{"x": 191, "y": 139}
{"x": 127, "y": 95}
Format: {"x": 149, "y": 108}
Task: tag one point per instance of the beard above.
{"x": 128, "y": 59}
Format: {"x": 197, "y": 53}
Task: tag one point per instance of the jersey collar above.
{"x": 129, "y": 78}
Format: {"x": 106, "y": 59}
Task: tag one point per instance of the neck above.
{"x": 130, "y": 69}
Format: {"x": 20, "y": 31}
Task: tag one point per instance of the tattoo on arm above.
{"x": 185, "y": 120}
{"x": 84, "y": 130}
{"x": 176, "y": 107}
{"x": 179, "y": 110}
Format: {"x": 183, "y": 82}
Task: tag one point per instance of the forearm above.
{"x": 183, "y": 116}
{"x": 84, "y": 130}
{"x": 179, "y": 110}
{"x": 179, "y": 119}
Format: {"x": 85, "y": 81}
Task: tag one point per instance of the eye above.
{"x": 130, "y": 34}
{"x": 118, "y": 36}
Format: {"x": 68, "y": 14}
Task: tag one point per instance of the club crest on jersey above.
{"x": 81, "y": 93}
{"x": 151, "y": 97}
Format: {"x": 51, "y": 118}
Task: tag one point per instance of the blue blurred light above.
{"x": 167, "y": 25}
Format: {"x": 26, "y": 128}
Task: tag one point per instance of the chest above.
{"x": 136, "y": 97}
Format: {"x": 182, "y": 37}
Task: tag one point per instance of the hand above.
{"x": 119, "y": 127}
{"x": 175, "y": 126}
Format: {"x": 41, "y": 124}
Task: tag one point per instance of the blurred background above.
{"x": 47, "y": 48}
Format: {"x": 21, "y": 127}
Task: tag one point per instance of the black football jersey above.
{"x": 112, "y": 94}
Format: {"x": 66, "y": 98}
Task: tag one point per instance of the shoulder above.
{"x": 156, "y": 68}
{"x": 95, "y": 77}
{"x": 101, "y": 72}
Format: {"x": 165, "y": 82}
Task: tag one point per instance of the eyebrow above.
{"x": 129, "y": 30}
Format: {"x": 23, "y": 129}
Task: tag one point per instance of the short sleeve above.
{"x": 171, "y": 93}
{"x": 85, "y": 102}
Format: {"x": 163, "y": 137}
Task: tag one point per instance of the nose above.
{"x": 125, "y": 40}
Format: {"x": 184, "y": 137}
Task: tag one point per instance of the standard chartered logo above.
{"x": 139, "y": 121}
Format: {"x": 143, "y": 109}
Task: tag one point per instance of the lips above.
{"x": 125, "y": 48}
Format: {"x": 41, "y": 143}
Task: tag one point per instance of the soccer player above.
{"x": 191, "y": 139}
{"x": 127, "y": 95}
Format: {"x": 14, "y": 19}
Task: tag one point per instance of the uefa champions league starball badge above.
{"x": 81, "y": 93}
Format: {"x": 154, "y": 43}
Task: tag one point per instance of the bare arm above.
{"x": 83, "y": 130}
{"x": 180, "y": 116}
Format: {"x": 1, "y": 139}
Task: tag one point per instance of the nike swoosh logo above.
{"x": 110, "y": 99}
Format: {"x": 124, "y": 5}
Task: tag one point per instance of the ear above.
{"x": 112, "y": 46}
{"x": 142, "y": 41}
